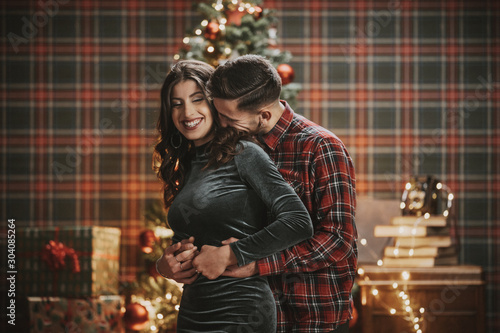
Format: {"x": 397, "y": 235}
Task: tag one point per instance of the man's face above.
{"x": 229, "y": 115}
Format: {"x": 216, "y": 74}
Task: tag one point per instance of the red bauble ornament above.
{"x": 212, "y": 30}
{"x": 234, "y": 16}
{"x": 136, "y": 317}
{"x": 286, "y": 73}
{"x": 147, "y": 240}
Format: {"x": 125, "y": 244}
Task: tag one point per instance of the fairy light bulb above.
{"x": 177, "y": 57}
{"x": 210, "y": 49}
{"x": 402, "y": 205}
{"x": 361, "y": 271}
{"x": 450, "y": 196}
{"x": 227, "y": 50}
{"x": 439, "y": 186}
{"x": 222, "y": 27}
{"x": 186, "y": 40}
{"x": 408, "y": 186}
{"x": 411, "y": 252}
{"x": 204, "y": 23}
{"x": 159, "y": 316}
{"x": 408, "y": 309}
{"x": 396, "y": 252}
{"x": 380, "y": 262}
{"x": 422, "y": 310}
{"x": 223, "y": 21}
{"x": 392, "y": 311}
{"x": 363, "y": 241}
{"x": 417, "y": 326}
{"x": 198, "y": 32}
{"x": 395, "y": 285}
{"x": 426, "y": 216}
{"x": 375, "y": 292}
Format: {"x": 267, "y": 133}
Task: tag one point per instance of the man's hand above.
{"x": 239, "y": 272}
{"x": 243, "y": 271}
{"x": 212, "y": 261}
{"x": 176, "y": 262}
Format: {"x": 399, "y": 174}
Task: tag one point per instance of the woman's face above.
{"x": 191, "y": 113}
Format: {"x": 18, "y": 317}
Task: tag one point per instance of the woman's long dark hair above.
{"x": 172, "y": 164}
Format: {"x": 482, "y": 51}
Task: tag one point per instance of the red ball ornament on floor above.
{"x": 286, "y": 73}
{"x": 147, "y": 240}
{"x": 136, "y": 317}
{"x": 212, "y": 30}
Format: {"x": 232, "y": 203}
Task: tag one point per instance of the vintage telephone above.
{"x": 426, "y": 194}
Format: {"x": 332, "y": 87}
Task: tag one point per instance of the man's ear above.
{"x": 265, "y": 117}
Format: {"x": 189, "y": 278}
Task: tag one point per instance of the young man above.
{"x": 311, "y": 281}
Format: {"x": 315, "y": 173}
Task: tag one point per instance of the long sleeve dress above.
{"x": 234, "y": 201}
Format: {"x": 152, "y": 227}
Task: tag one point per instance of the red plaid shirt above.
{"x": 312, "y": 281}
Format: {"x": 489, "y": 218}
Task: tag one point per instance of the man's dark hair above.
{"x": 250, "y": 79}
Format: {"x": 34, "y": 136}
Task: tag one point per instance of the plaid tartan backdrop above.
{"x": 411, "y": 87}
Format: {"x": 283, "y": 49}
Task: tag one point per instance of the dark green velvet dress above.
{"x": 233, "y": 201}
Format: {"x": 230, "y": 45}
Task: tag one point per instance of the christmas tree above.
{"x": 152, "y": 301}
{"x": 231, "y": 28}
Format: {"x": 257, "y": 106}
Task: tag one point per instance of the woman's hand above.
{"x": 213, "y": 261}
{"x": 176, "y": 262}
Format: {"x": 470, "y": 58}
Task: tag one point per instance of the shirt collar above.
{"x": 273, "y": 137}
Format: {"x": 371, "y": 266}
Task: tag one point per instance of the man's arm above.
{"x": 332, "y": 195}
{"x": 176, "y": 262}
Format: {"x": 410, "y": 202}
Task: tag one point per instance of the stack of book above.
{"x": 418, "y": 242}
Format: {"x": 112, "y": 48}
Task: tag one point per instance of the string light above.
{"x": 204, "y": 23}
{"x": 198, "y": 32}
{"x": 210, "y": 49}
{"x": 186, "y": 40}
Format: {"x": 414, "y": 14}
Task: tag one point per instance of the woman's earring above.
{"x": 172, "y": 140}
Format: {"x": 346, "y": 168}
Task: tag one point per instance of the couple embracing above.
{"x": 261, "y": 202}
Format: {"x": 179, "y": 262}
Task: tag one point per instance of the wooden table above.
{"x": 452, "y": 299}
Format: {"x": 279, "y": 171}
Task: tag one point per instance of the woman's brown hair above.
{"x": 170, "y": 163}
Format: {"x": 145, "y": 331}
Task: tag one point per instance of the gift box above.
{"x": 68, "y": 261}
{"x": 102, "y": 314}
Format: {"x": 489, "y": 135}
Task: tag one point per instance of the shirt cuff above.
{"x": 272, "y": 265}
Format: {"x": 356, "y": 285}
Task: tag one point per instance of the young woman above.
{"x": 218, "y": 186}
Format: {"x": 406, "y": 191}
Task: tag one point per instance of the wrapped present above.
{"x": 102, "y": 314}
{"x": 68, "y": 261}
